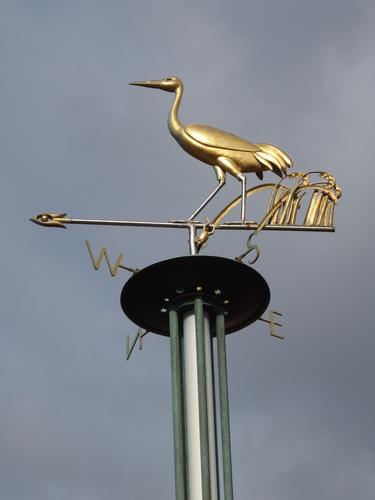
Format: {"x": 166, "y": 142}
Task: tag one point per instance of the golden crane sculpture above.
{"x": 225, "y": 152}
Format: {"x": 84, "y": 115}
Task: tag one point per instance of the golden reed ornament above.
{"x": 286, "y": 204}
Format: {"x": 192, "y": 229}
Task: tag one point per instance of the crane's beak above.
{"x": 154, "y": 84}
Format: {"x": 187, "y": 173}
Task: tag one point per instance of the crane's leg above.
{"x": 220, "y": 174}
{"x": 231, "y": 167}
{"x": 242, "y": 178}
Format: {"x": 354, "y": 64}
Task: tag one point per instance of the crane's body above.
{"x": 225, "y": 152}
{"x": 208, "y": 144}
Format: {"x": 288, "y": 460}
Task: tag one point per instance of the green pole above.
{"x": 202, "y": 399}
{"x": 224, "y": 407}
{"x": 177, "y": 407}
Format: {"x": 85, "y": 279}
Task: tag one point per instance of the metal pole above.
{"x": 211, "y": 413}
{"x": 192, "y": 408}
{"x": 224, "y": 408}
{"x": 178, "y": 407}
{"x": 202, "y": 397}
{"x": 192, "y": 235}
{"x": 199, "y": 403}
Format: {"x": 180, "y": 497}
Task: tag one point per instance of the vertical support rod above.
{"x": 192, "y": 235}
{"x": 183, "y": 403}
{"x": 192, "y": 407}
{"x": 224, "y": 408}
{"x": 196, "y": 327}
{"x": 211, "y": 411}
{"x": 177, "y": 407}
{"x": 202, "y": 397}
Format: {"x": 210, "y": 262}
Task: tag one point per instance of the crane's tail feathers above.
{"x": 270, "y": 162}
{"x": 267, "y": 160}
{"x": 280, "y": 153}
{"x": 274, "y": 159}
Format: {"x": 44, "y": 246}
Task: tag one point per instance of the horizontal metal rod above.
{"x": 280, "y": 227}
{"x": 200, "y": 225}
{"x": 188, "y": 224}
{"x": 134, "y": 223}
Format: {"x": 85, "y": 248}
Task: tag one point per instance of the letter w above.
{"x": 103, "y": 253}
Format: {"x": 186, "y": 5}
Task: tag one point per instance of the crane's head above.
{"x": 170, "y": 84}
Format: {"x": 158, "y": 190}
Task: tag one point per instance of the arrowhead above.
{"x": 50, "y": 220}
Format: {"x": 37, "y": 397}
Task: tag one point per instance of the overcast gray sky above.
{"x": 77, "y": 421}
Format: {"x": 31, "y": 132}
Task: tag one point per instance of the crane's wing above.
{"x": 217, "y": 138}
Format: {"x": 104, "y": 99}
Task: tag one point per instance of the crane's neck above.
{"x": 174, "y": 124}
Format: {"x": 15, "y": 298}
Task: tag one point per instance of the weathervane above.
{"x": 193, "y": 299}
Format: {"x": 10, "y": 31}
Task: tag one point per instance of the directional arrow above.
{"x": 60, "y": 220}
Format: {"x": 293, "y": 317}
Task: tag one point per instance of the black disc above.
{"x": 231, "y": 286}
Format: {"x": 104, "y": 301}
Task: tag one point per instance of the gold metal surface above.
{"x": 49, "y": 219}
{"x": 248, "y": 250}
{"x": 285, "y": 204}
{"x": 226, "y": 153}
{"x": 104, "y": 253}
{"x": 182, "y": 224}
{"x": 130, "y": 343}
{"x": 207, "y": 228}
{"x": 295, "y": 194}
{"x": 272, "y": 324}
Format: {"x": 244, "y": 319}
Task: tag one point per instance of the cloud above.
{"x": 77, "y": 421}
